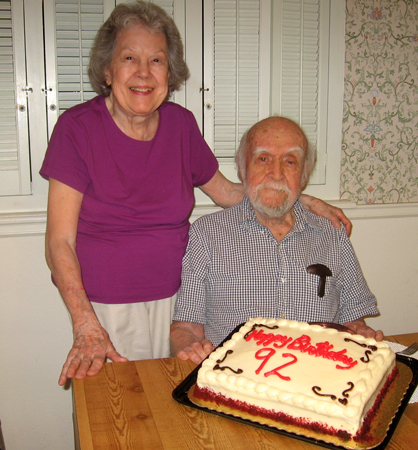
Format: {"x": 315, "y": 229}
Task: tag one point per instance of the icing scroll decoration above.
{"x": 366, "y": 358}
{"x": 317, "y": 388}
{"x": 343, "y": 401}
{"x": 219, "y": 361}
{"x": 367, "y": 353}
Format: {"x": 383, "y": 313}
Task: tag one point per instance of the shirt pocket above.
{"x": 310, "y": 307}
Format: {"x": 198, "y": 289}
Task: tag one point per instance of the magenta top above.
{"x": 138, "y": 195}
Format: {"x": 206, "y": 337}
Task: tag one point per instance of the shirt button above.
{"x": 283, "y": 280}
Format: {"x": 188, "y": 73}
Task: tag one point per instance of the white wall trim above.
{"x": 22, "y": 224}
{"x": 34, "y": 223}
{"x": 378, "y": 211}
{"x": 351, "y": 210}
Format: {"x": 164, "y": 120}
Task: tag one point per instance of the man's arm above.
{"x": 91, "y": 342}
{"x": 188, "y": 341}
{"x": 359, "y": 327}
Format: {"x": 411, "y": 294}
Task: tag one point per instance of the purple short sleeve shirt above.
{"x": 133, "y": 225}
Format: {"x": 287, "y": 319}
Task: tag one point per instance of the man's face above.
{"x": 275, "y": 164}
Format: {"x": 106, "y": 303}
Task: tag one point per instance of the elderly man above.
{"x": 267, "y": 256}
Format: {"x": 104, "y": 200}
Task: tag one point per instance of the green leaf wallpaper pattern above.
{"x": 380, "y": 120}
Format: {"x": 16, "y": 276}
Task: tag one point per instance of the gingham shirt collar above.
{"x": 249, "y": 219}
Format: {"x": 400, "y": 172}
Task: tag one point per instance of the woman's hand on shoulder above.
{"x": 334, "y": 214}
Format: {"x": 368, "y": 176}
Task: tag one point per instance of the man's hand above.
{"x": 90, "y": 349}
{"x": 332, "y": 213}
{"x": 188, "y": 341}
{"x": 196, "y": 352}
{"x": 359, "y": 327}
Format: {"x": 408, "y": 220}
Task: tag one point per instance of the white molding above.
{"x": 380, "y": 211}
{"x": 22, "y": 224}
{"x": 351, "y": 210}
{"x": 34, "y": 223}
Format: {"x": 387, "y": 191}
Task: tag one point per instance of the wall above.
{"x": 379, "y": 162}
{"x": 386, "y": 248}
{"x": 35, "y": 336}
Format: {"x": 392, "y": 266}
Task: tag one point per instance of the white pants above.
{"x": 138, "y": 330}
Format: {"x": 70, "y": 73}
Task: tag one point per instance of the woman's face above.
{"x": 138, "y": 72}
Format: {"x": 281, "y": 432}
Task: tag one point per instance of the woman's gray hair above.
{"x": 156, "y": 20}
{"x": 242, "y": 150}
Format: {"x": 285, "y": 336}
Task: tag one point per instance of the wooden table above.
{"x": 129, "y": 406}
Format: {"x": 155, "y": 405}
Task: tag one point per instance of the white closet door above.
{"x": 300, "y": 70}
{"x": 14, "y": 140}
{"x": 260, "y": 58}
{"x": 235, "y": 76}
{"x": 70, "y": 28}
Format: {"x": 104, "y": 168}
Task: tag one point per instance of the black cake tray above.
{"x": 181, "y": 395}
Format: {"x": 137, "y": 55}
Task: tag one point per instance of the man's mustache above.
{"x": 279, "y": 187}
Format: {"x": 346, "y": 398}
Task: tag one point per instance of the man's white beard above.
{"x": 274, "y": 212}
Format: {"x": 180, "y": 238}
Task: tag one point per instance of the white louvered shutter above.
{"x": 300, "y": 69}
{"x": 74, "y": 24}
{"x": 14, "y": 141}
{"x": 234, "y": 74}
{"x": 266, "y": 57}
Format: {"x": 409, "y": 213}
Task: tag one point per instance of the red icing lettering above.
{"x": 286, "y": 340}
{"x": 268, "y": 339}
{"x": 258, "y": 336}
{"x": 300, "y": 343}
{"x": 266, "y": 354}
{"x": 276, "y": 370}
{"x": 304, "y": 345}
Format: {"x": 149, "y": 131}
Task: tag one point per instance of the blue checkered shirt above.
{"x": 235, "y": 269}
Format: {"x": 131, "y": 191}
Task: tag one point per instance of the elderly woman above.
{"x": 121, "y": 170}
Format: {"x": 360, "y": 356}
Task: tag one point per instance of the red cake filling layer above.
{"x": 362, "y": 435}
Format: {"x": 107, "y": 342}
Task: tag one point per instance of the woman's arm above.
{"x": 223, "y": 192}
{"x": 91, "y": 343}
{"x": 332, "y": 213}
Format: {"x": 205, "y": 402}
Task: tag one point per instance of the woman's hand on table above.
{"x": 332, "y": 213}
{"x": 90, "y": 349}
{"x": 359, "y": 327}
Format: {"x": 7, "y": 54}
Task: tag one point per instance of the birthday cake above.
{"x": 292, "y": 372}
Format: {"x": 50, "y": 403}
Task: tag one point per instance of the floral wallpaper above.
{"x": 380, "y": 123}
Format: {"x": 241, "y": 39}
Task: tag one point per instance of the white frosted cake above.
{"x": 293, "y": 372}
